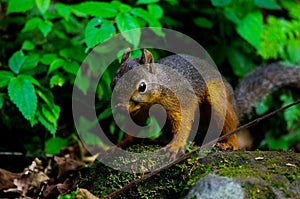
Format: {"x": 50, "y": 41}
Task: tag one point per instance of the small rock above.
{"x": 215, "y": 187}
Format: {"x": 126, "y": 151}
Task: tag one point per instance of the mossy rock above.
{"x": 260, "y": 174}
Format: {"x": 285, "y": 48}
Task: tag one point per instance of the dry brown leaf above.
{"x": 7, "y": 179}
{"x": 66, "y": 165}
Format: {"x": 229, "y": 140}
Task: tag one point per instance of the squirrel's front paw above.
{"x": 172, "y": 152}
{"x": 224, "y": 146}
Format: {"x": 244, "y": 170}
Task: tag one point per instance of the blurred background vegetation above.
{"x": 43, "y": 44}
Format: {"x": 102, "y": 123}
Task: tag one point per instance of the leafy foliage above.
{"x": 39, "y": 61}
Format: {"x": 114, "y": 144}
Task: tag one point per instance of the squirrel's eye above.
{"x": 142, "y": 87}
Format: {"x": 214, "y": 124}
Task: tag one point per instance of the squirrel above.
{"x": 211, "y": 94}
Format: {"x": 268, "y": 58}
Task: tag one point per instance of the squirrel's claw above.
{"x": 224, "y": 146}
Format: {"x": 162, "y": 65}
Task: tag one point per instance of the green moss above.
{"x": 258, "y": 176}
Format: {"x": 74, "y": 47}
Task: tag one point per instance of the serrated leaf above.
{"x": 31, "y": 61}
{"x": 251, "y": 28}
{"x": 53, "y": 145}
{"x": 63, "y": 10}
{"x": 31, "y": 79}
{"x": 71, "y": 67}
{"x": 42, "y": 5}
{"x": 5, "y": 77}
{"x": 95, "y": 9}
{"x": 19, "y": 6}
{"x": 57, "y": 80}
{"x": 45, "y": 95}
{"x": 22, "y": 93}
{"x": 155, "y": 10}
{"x": 57, "y": 63}
{"x": 32, "y": 24}
{"x": 146, "y": 1}
{"x": 97, "y": 31}
{"x": 16, "y": 61}
{"x": 1, "y": 101}
{"x": 51, "y": 113}
{"x": 126, "y": 22}
{"x": 49, "y": 126}
{"x": 268, "y": 4}
{"x": 33, "y": 121}
{"x": 28, "y": 45}
{"x": 45, "y": 27}
{"x": 220, "y": 2}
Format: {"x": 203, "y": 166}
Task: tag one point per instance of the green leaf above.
{"x": 28, "y": 45}
{"x": 16, "y": 61}
{"x": 69, "y": 53}
{"x": 232, "y": 15}
{"x": 293, "y": 50}
{"x": 57, "y": 80}
{"x": 220, "y": 2}
{"x": 48, "y": 125}
{"x": 31, "y": 61}
{"x": 71, "y": 67}
{"x": 19, "y": 6}
{"x": 157, "y": 11}
{"x": 261, "y": 107}
{"x": 30, "y": 78}
{"x": 45, "y": 27}
{"x": 32, "y": 24}
{"x": 127, "y": 22}
{"x": 42, "y": 5}
{"x": 240, "y": 62}
{"x": 83, "y": 83}
{"x": 1, "y": 101}
{"x": 105, "y": 114}
{"x": 48, "y": 58}
{"x": 154, "y": 24}
{"x": 51, "y": 113}
{"x": 22, "y": 93}
{"x": 251, "y": 28}
{"x": 203, "y": 22}
{"x": 276, "y": 144}
{"x": 268, "y": 4}
{"x": 146, "y": 1}
{"x": 45, "y": 95}
{"x": 95, "y": 9}
{"x": 97, "y": 31}
{"x": 57, "y": 63}
{"x": 63, "y": 10}
{"x": 5, "y": 77}
{"x": 85, "y": 126}
{"x": 53, "y": 145}
{"x": 292, "y": 114}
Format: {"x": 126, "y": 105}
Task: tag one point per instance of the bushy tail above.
{"x": 262, "y": 81}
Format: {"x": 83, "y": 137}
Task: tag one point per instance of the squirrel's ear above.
{"x": 126, "y": 55}
{"x": 147, "y": 58}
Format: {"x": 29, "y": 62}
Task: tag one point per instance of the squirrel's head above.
{"x": 135, "y": 82}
